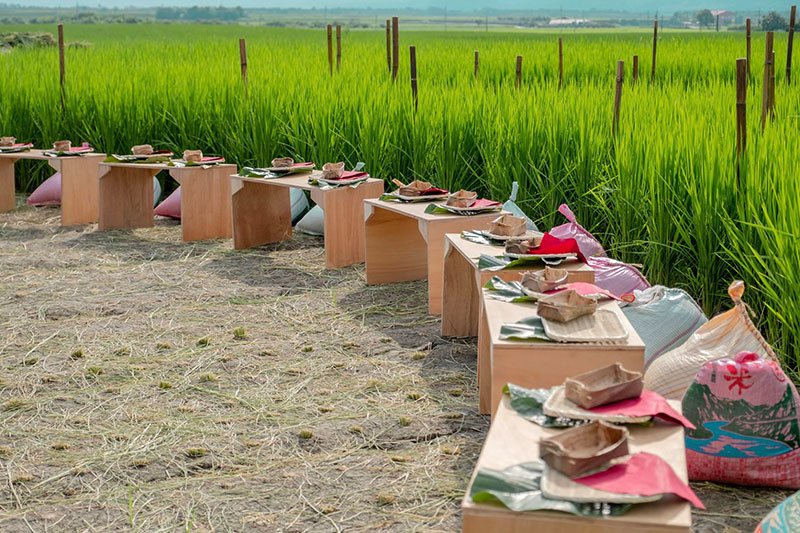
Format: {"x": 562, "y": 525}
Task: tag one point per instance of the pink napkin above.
{"x": 483, "y": 202}
{"x": 207, "y": 159}
{"x": 554, "y": 246}
{"x": 584, "y": 289}
{"x": 350, "y": 175}
{"x": 302, "y": 164}
{"x": 644, "y": 474}
{"x": 648, "y": 404}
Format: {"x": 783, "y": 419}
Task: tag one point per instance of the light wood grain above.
{"x": 80, "y": 189}
{"x": 344, "y": 222}
{"x": 126, "y": 196}
{"x": 205, "y": 201}
{"x": 395, "y": 250}
{"x": 513, "y": 440}
{"x": 7, "y": 199}
{"x": 261, "y": 213}
{"x": 543, "y": 364}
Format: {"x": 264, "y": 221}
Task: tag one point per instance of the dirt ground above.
{"x": 152, "y": 385}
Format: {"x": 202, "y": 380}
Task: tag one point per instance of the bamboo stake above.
{"x": 655, "y": 46}
{"x": 243, "y": 63}
{"x": 772, "y": 87}
{"x": 635, "y": 70}
{"x": 749, "y": 57}
{"x": 618, "y": 95}
{"x": 388, "y": 46}
{"x": 413, "y": 59}
{"x": 519, "y": 72}
{"x": 741, "y": 106}
{"x": 330, "y": 48}
{"x": 765, "y": 104}
{"x": 338, "y": 47}
{"x": 476, "y": 64}
{"x": 61, "y": 67}
{"x": 560, "y": 64}
{"x": 789, "y": 48}
{"x": 395, "y": 47}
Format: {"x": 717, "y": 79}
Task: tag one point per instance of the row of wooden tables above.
{"x": 398, "y": 242}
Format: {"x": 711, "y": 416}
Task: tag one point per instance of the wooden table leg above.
{"x": 395, "y": 249}
{"x": 460, "y": 308}
{"x": 205, "y": 202}
{"x": 80, "y": 189}
{"x": 344, "y": 222}
{"x": 126, "y": 197}
{"x": 484, "y": 367}
{"x": 7, "y": 199}
{"x": 261, "y": 213}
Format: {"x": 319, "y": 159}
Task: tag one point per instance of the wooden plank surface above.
{"x": 394, "y": 248}
{"x": 126, "y": 197}
{"x": 7, "y": 199}
{"x": 344, "y": 222}
{"x": 261, "y": 214}
{"x": 205, "y": 201}
{"x": 80, "y": 188}
{"x": 513, "y": 440}
{"x": 417, "y": 210}
{"x": 298, "y": 181}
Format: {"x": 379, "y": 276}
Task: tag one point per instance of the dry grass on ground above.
{"x": 147, "y": 384}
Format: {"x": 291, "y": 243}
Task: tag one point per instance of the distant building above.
{"x": 568, "y": 22}
{"x": 726, "y": 18}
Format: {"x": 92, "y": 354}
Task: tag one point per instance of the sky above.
{"x": 666, "y": 6}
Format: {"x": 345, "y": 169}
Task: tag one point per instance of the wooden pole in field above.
{"x": 243, "y": 63}
{"x": 338, "y": 47}
{"x": 477, "y": 64}
{"x": 772, "y": 87}
{"x": 61, "y": 69}
{"x": 413, "y": 59}
{"x": 717, "y": 23}
{"x": 635, "y": 70}
{"x": 741, "y": 105}
{"x": 388, "y": 46}
{"x": 560, "y": 64}
{"x": 330, "y": 48}
{"x": 789, "y": 48}
{"x": 618, "y": 95}
{"x": 741, "y": 113}
{"x": 395, "y": 47}
{"x": 519, "y": 72}
{"x": 749, "y": 58}
{"x": 655, "y": 46}
{"x": 765, "y": 104}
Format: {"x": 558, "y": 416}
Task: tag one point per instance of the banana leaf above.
{"x": 114, "y": 158}
{"x": 508, "y": 291}
{"x": 439, "y": 209}
{"x": 518, "y": 488}
{"x": 529, "y": 404}
{"x": 527, "y": 329}
{"x": 15, "y": 149}
{"x": 325, "y": 185}
{"x": 480, "y": 237}
{"x": 495, "y": 263}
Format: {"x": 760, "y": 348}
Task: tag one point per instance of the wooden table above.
{"x": 541, "y": 364}
{"x": 126, "y": 198}
{"x": 513, "y": 440}
{"x": 404, "y": 243}
{"x": 78, "y": 184}
{"x": 262, "y": 214}
{"x": 463, "y": 281}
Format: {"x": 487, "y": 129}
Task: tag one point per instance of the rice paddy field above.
{"x": 151, "y": 385}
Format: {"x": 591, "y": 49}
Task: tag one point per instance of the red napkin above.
{"x": 554, "y": 246}
{"x": 350, "y": 175}
{"x": 483, "y": 202}
{"x": 645, "y": 474}
{"x": 302, "y": 164}
{"x": 433, "y": 191}
{"x": 21, "y": 145}
{"x": 648, "y": 404}
{"x": 584, "y": 289}
{"x": 207, "y": 159}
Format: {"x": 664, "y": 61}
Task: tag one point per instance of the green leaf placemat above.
{"x": 495, "y": 263}
{"x": 529, "y": 404}
{"x": 508, "y": 291}
{"x": 518, "y": 488}
{"x": 527, "y": 329}
{"x": 115, "y": 158}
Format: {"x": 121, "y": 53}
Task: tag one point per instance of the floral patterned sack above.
{"x": 747, "y": 417}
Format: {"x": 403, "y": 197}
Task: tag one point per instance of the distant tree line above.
{"x": 197, "y": 13}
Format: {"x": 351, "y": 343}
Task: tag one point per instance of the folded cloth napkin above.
{"x": 483, "y": 202}
{"x": 648, "y": 404}
{"x": 644, "y": 474}
{"x": 350, "y": 175}
{"x": 584, "y": 289}
{"x": 554, "y": 246}
{"x": 433, "y": 191}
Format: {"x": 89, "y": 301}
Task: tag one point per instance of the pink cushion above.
{"x": 48, "y": 193}
{"x": 171, "y": 207}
